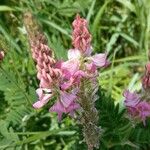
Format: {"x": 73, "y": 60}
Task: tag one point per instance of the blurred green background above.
{"x": 119, "y": 27}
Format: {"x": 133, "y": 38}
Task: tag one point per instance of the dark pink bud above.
{"x": 81, "y": 38}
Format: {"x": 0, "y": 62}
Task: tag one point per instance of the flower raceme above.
{"x": 72, "y": 82}
{"x": 65, "y": 76}
{"x": 72, "y": 72}
{"x": 81, "y": 38}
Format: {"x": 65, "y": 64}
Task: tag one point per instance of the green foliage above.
{"x": 120, "y": 27}
{"x": 119, "y": 132}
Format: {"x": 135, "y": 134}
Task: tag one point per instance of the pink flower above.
{"x": 144, "y": 110}
{"x": 78, "y": 76}
{"x": 91, "y": 67}
{"x": 100, "y": 60}
{"x": 67, "y": 84}
{"x": 67, "y": 98}
{"x": 74, "y": 54}
{"x": 131, "y": 99}
{"x": 66, "y": 104}
{"x": 44, "y": 96}
{"x": 69, "y": 68}
{"x": 74, "y": 80}
{"x": 136, "y": 107}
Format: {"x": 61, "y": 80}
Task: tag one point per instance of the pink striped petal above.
{"x": 38, "y": 104}
{"x": 39, "y": 92}
{"x": 66, "y": 85}
{"x": 71, "y": 65}
{"x": 100, "y": 60}
{"x": 58, "y": 108}
{"x": 67, "y": 98}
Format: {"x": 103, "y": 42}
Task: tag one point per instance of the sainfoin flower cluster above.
{"x": 138, "y": 105}
{"x": 63, "y": 78}
{"x": 138, "y": 108}
{"x": 72, "y": 82}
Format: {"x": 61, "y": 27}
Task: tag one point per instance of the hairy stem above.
{"x": 89, "y": 117}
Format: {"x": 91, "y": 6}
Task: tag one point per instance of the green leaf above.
{"x": 6, "y": 8}
{"x": 55, "y": 26}
{"x": 99, "y": 16}
{"x": 127, "y": 4}
{"x": 129, "y": 38}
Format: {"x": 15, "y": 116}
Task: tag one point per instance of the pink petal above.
{"x": 67, "y": 99}
{"x": 38, "y": 104}
{"x": 58, "y": 108}
{"x": 58, "y": 64}
{"x": 66, "y": 85}
{"x": 88, "y": 51}
{"x": 100, "y": 60}
{"x": 73, "y": 107}
{"x": 44, "y": 83}
{"x": 74, "y": 54}
{"x": 78, "y": 76}
{"x": 91, "y": 67}
{"x": 66, "y": 74}
{"x": 46, "y": 98}
{"x": 131, "y": 99}
{"x": 43, "y": 97}
{"x": 71, "y": 65}
{"x": 39, "y": 92}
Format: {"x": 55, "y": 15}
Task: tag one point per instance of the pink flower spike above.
{"x": 100, "y": 60}
{"x": 81, "y": 38}
{"x": 74, "y": 54}
{"x": 44, "y": 96}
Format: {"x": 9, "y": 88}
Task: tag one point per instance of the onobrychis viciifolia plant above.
{"x": 138, "y": 104}
{"x": 73, "y": 82}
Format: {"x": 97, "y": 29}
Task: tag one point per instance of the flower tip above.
{"x": 77, "y": 16}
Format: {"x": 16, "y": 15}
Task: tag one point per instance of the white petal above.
{"x": 74, "y": 54}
